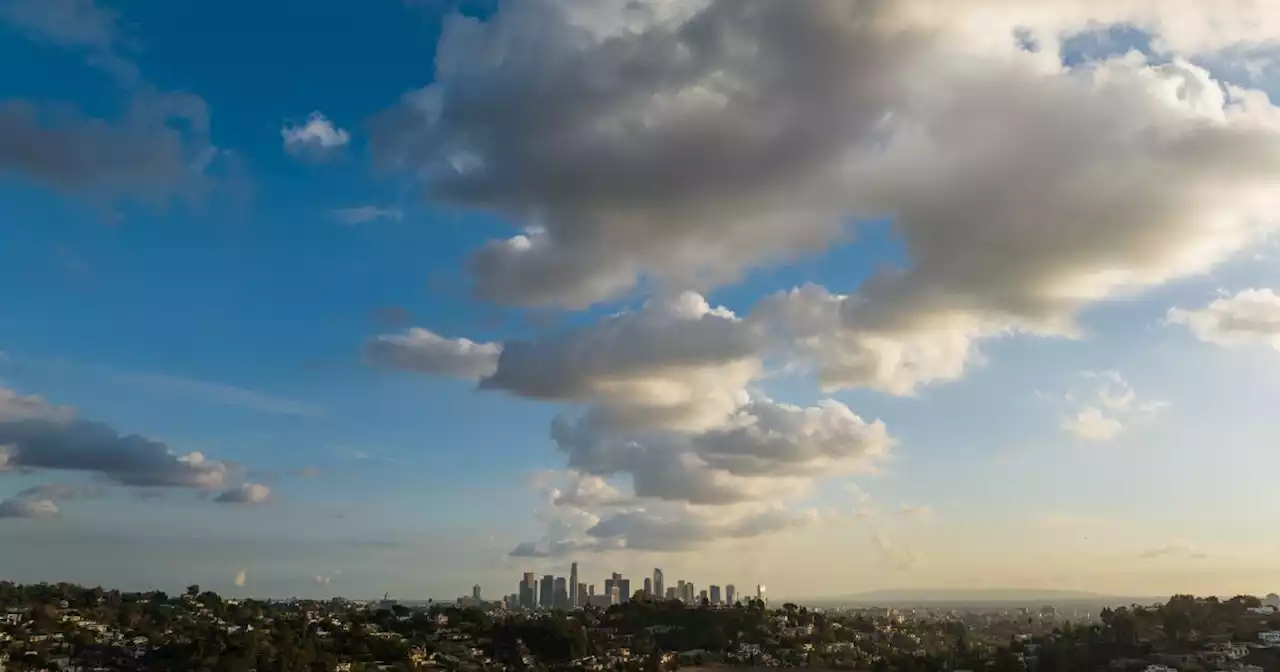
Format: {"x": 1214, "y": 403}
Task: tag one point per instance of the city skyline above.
{"x": 825, "y": 296}
{"x": 552, "y": 592}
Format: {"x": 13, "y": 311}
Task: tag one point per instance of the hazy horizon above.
{"x": 828, "y": 295}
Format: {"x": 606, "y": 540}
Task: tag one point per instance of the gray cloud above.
{"x": 1177, "y": 549}
{"x": 34, "y": 509}
{"x": 80, "y": 445}
{"x": 661, "y": 528}
{"x": 676, "y": 362}
{"x": 763, "y": 451}
{"x": 684, "y": 142}
{"x": 73, "y": 24}
{"x": 687, "y": 145}
{"x": 422, "y": 351}
{"x": 35, "y": 434}
{"x": 1250, "y": 316}
{"x": 245, "y": 493}
{"x": 364, "y": 214}
{"x": 673, "y": 145}
{"x": 683, "y": 530}
{"x": 160, "y": 149}
{"x": 41, "y": 501}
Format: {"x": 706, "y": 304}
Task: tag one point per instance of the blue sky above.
{"x": 254, "y": 299}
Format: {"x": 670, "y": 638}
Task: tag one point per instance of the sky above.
{"x": 401, "y": 296}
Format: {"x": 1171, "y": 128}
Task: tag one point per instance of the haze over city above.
{"x": 828, "y": 296}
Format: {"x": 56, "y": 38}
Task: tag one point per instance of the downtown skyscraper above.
{"x": 659, "y": 589}
{"x": 574, "y": 598}
{"x": 528, "y": 591}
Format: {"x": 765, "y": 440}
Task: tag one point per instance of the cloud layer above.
{"x": 669, "y": 147}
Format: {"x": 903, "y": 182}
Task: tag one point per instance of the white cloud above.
{"x": 242, "y": 576}
{"x": 14, "y": 406}
{"x": 315, "y": 138}
{"x": 245, "y": 493}
{"x": 894, "y": 556}
{"x": 366, "y": 213}
{"x": 1104, "y": 406}
{"x": 1177, "y": 549}
{"x": 1091, "y": 425}
{"x": 921, "y": 511}
{"x": 422, "y": 351}
{"x": 1251, "y": 316}
{"x": 587, "y": 491}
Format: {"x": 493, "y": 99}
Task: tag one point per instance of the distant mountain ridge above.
{"x": 1047, "y": 595}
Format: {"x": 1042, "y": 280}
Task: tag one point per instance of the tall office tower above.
{"x": 680, "y": 590}
{"x": 658, "y": 588}
{"x": 624, "y": 587}
{"x": 475, "y": 591}
{"x": 582, "y": 595}
{"x": 703, "y": 597}
{"x": 715, "y": 595}
{"x": 648, "y": 587}
{"x": 730, "y": 594}
{"x": 547, "y": 591}
{"x": 690, "y": 595}
{"x": 608, "y": 584}
{"x": 760, "y": 593}
{"x": 529, "y": 591}
{"x": 573, "y": 585}
{"x": 671, "y": 593}
{"x": 591, "y": 590}
{"x": 562, "y": 594}
{"x": 614, "y": 596}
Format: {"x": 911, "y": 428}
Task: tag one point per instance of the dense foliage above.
{"x": 49, "y": 626}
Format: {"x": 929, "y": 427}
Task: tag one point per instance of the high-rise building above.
{"x": 648, "y": 587}
{"x": 658, "y": 588}
{"x": 475, "y": 591}
{"x": 582, "y": 595}
{"x": 690, "y": 595}
{"x": 561, "y": 595}
{"x": 671, "y": 593}
{"x": 573, "y": 585}
{"x": 703, "y": 598}
{"x": 529, "y": 591}
{"x": 623, "y": 586}
{"x": 547, "y": 591}
{"x": 730, "y": 594}
{"x": 680, "y": 591}
{"x": 615, "y": 596}
{"x": 760, "y": 593}
{"x": 715, "y": 595}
